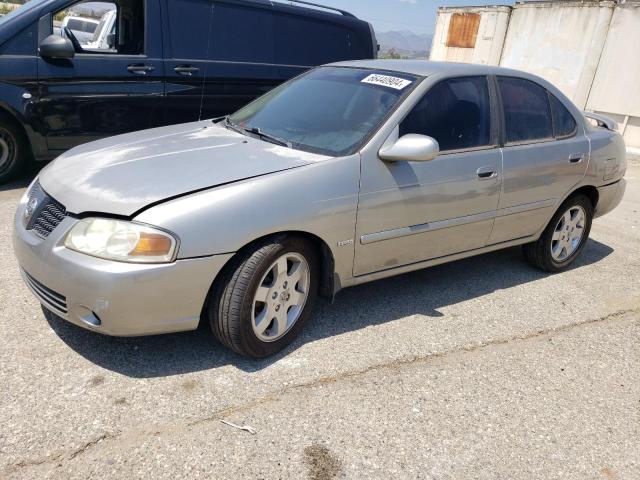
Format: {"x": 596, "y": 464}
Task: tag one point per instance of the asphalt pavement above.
{"x": 483, "y": 368}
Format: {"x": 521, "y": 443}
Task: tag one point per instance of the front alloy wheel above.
{"x": 280, "y": 297}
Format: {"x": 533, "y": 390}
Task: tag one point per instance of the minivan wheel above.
{"x": 565, "y": 236}
{"x": 265, "y": 297}
{"x": 13, "y": 151}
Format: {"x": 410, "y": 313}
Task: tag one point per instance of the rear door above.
{"x": 544, "y": 155}
{"x": 103, "y": 91}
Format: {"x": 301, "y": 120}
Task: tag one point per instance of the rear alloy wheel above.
{"x": 264, "y": 297}
{"x": 568, "y": 233}
{"x": 12, "y": 152}
{"x": 565, "y": 236}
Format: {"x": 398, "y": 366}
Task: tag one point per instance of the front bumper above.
{"x": 114, "y": 298}
{"x": 609, "y": 197}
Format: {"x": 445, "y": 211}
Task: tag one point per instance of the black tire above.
{"x": 539, "y": 254}
{"x": 14, "y": 150}
{"x": 229, "y": 309}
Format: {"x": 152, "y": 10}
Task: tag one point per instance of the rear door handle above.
{"x": 576, "y": 158}
{"x": 485, "y": 173}
{"x": 140, "y": 69}
{"x": 186, "y": 70}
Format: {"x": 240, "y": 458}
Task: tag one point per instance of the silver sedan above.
{"x": 349, "y": 173}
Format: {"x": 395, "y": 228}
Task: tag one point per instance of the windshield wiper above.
{"x": 267, "y": 137}
{"x": 256, "y": 131}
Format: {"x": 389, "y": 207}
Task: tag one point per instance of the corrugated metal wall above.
{"x": 590, "y": 49}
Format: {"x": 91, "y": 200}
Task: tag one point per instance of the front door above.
{"x": 108, "y": 87}
{"x": 414, "y": 211}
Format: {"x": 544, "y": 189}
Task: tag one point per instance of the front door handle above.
{"x": 576, "y": 158}
{"x": 186, "y": 70}
{"x": 139, "y": 69}
{"x": 485, "y": 173}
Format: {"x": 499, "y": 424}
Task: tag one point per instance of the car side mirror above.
{"x": 55, "y": 46}
{"x": 412, "y": 148}
{"x": 111, "y": 40}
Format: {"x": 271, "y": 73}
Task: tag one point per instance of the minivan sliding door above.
{"x": 220, "y": 57}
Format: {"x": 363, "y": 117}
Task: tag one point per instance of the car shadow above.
{"x": 423, "y": 292}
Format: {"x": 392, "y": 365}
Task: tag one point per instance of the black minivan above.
{"x": 150, "y": 63}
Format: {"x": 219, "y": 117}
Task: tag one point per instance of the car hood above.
{"x": 121, "y": 175}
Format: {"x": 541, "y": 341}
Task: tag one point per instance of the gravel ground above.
{"x": 482, "y": 368}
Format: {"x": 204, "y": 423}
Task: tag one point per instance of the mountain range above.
{"x": 404, "y": 43}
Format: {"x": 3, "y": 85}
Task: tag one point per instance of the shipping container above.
{"x": 470, "y": 34}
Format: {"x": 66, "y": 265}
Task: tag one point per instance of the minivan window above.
{"x": 120, "y": 29}
{"x": 330, "y": 110}
{"x": 564, "y": 124}
{"x": 455, "y": 112}
{"x": 527, "y": 115}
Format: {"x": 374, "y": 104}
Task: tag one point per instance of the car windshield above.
{"x": 21, "y": 9}
{"x": 330, "y": 110}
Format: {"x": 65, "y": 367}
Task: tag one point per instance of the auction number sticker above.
{"x": 387, "y": 81}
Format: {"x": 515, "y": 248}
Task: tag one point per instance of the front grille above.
{"x": 46, "y": 295}
{"x": 47, "y": 214}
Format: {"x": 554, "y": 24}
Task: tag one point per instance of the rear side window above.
{"x": 455, "y": 112}
{"x": 564, "y": 125}
{"x": 527, "y": 113}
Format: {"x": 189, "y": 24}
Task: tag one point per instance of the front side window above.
{"x": 564, "y": 125}
{"x": 330, "y": 110}
{"x": 527, "y": 115}
{"x": 455, "y": 112}
{"x": 103, "y": 27}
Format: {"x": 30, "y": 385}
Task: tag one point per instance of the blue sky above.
{"x": 418, "y": 16}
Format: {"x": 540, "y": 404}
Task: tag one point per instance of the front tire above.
{"x": 565, "y": 236}
{"x": 265, "y": 297}
{"x": 14, "y": 150}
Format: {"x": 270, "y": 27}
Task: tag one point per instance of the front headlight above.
{"x": 121, "y": 241}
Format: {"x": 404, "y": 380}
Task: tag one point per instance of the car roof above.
{"x": 427, "y": 68}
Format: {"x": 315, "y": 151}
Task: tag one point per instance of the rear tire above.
{"x": 564, "y": 237}
{"x": 14, "y": 150}
{"x": 265, "y": 297}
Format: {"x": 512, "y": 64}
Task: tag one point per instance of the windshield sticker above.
{"x": 387, "y": 81}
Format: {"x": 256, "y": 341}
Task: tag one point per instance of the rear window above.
{"x": 564, "y": 125}
{"x": 527, "y": 113}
